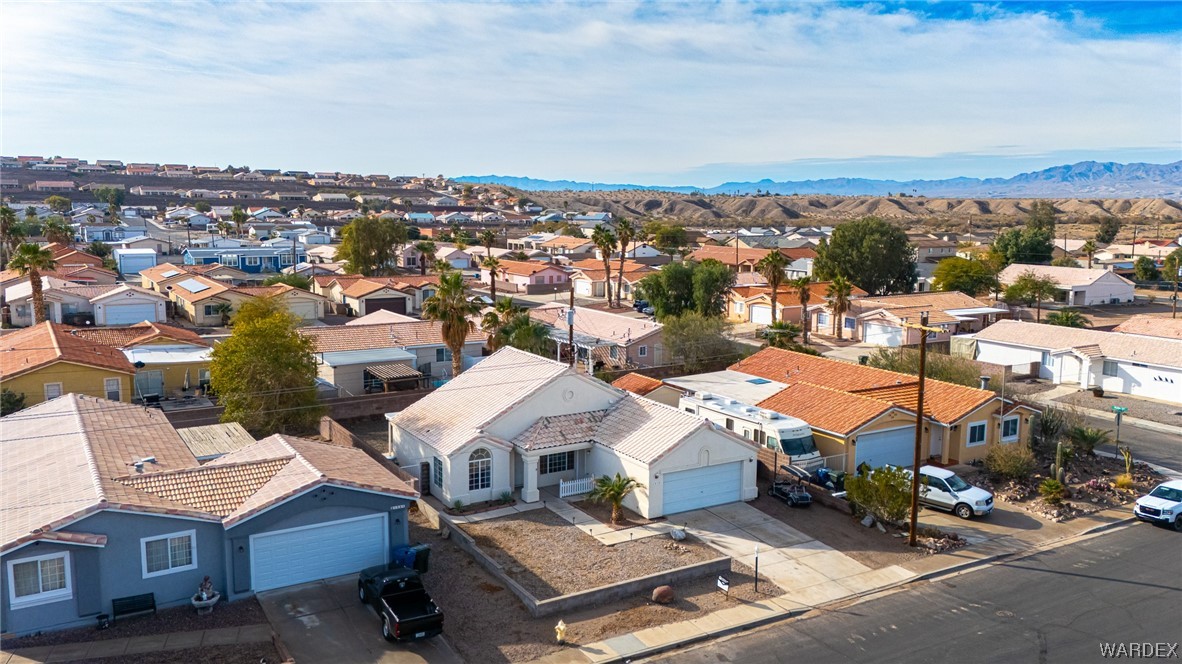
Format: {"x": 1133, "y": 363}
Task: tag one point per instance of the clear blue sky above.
{"x": 651, "y": 93}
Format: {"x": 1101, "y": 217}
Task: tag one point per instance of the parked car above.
{"x": 945, "y": 490}
{"x": 1162, "y": 505}
{"x": 407, "y": 612}
{"x": 640, "y": 305}
{"x": 648, "y": 311}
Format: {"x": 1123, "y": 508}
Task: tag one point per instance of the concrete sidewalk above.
{"x": 749, "y": 615}
{"x": 136, "y": 645}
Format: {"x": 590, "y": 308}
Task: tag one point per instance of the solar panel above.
{"x": 170, "y": 274}
{"x": 193, "y": 286}
{"x": 758, "y": 381}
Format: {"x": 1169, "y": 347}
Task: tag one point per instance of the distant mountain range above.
{"x": 1084, "y": 179}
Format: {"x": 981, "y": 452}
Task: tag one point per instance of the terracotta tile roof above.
{"x": 906, "y": 314}
{"x": 787, "y": 297}
{"x": 383, "y": 335}
{"x": 599, "y": 324}
{"x": 88, "y": 291}
{"x": 945, "y": 402}
{"x": 43, "y": 344}
{"x": 212, "y": 288}
{"x": 1152, "y": 326}
{"x": 265, "y": 291}
{"x": 566, "y": 242}
{"x": 637, "y": 383}
{"x": 931, "y": 301}
{"x": 326, "y": 280}
{"x": 826, "y": 408}
{"x": 1114, "y": 345}
{"x": 209, "y": 267}
{"x": 726, "y": 255}
{"x": 217, "y": 489}
{"x": 558, "y": 430}
{"x": 156, "y": 273}
{"x": 523, "y": 268}
{"x": 89, "y": 539}
{"x": 140, "y": 333}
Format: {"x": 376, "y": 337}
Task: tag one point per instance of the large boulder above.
{"x": 664, "y": 595}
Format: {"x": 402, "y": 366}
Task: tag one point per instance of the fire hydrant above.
{"x": 560, "y": 632}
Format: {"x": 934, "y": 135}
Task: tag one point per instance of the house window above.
{"x": 166, "y": 554}
{"x": 203, "y": 377}
{"x": 976, "y": 434}
{"x": 480, "y": 470}
{"x": 730, "y": 424}
{"x": 557, "y": 463}
{"x": 211, "y": 310}
{"x": 1009, "y": 429}
{"x": 252, "y": 261}
{"x": 113, "y": 387}
{"x": 822, "y": 319}
{"x": 849, "y": 323}
{"x": 437, "y": 471}
{"x": 230, "y": 259}
{"x": 614, "y": 352}
{"x": 643, "y": 352}
{"x": 443, "y": 355}
{"x": 53, "y": 390}
{"x": 39, "y": 580}
{"x": 285, "y": 259}
{"x": 738, "y": 307}
{"x": 1110, "y": 368}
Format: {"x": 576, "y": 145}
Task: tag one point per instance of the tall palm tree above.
{"x": 625, "y": 233}
{"x": 451, "y": 306}
{"x": 525, "y": 333}
{"x": 1089, "y": 248}
{"x": 772, "y": 268}
{"x": 239, "y": 217}
{"x": 613, "y": 490}
{"x": 801, "y": 286}
{"x": 30, "y": 261}
{"x": 605, "y": 241}
{"x": 426, "y": 249}
{"x": 55, "y": 229}
{"x": 492, "y": 265}
{"x": 838, "y": 293}
{"x": 496, "y": 322}
{"x": 13, "y": 232}
{"x": 487, "y": 238}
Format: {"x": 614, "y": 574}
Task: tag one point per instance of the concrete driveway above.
{"x": 324, "y": 622}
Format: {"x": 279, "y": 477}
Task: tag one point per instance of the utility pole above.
{"x": 1177, "y": 276}
{"x": 570, "y": 321}
{"x": 923, "y": 354}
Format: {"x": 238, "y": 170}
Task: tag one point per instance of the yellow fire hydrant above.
{"x": 560, "y": 632}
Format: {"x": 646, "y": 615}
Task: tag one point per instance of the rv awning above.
{"x": 393, "y": 371}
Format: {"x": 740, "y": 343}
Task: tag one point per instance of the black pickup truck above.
{"x": 408, "y": 613}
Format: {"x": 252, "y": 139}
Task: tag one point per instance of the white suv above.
{"x": 1162, "y": 505}
{"x": 944, "y": 489}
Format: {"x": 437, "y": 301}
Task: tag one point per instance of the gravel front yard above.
{"x": 248, "y": 653}
{"x": 550, "y": 557}
{"x": 486, "y": 623}
{"x": 1138, "y": 408}
{"x": 176, "y": 619}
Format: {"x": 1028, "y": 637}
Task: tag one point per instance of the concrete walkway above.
{"x": 136, "y": 645}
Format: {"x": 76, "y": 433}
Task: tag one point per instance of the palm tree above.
{"x": 426, "y": 249}
{"x": 496, "y": 322}
{"x": 13, "y": 232}
{"x": 525, "y": 333}
{"x": 613, "y": 490}
{"x": 625, "y": 234}
{"x": 487, "y": 238}
{"x": 1068, "y": 318}
{"x": 57, "y": 230}
{"x": 29, "y": 261}
{"x": 605, "y": 241}
{"x": 492, "y": 265}
{"x": 239, "y": 217}
{"x": 224, "y": 309}
{"x": 1087, "y": 439}
{"x": 801, "y": 286}
{"x": 772, "y": 268}
{"x": 1089, "y": 248}
{"x": 782, "y": 334}
{"x": 838, "y": 293}
{"x": 452, "y": 308}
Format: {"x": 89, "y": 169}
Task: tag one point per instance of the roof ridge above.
{"x": 282, "y": 438}
{"x": 91, "y": 462}
{"x": 173, "y": 472}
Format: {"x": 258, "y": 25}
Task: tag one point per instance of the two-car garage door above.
{"x": 893, "y": 446}
{"x": 130, "y": 314}
{"x": 883, "y": 335}
{"x": 761, "y": 314}
{"x": 299, "y": 555}
{"x": 702, "y": 487}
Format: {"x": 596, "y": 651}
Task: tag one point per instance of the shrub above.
{"x": 1048, "y": 425}
{"x": 1124, "y": 481}
{"x": 1052, "y": 490}
{"x": 1085, "y": 440}
{"x": 459, "y": 506}
{"x": 506, "y": 497}
{"x": 1010, "y": 462}
{"x": 884, "y": 494}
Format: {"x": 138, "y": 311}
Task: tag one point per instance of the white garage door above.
{"x": 762, "y": 314}
{"x": 893, "y": 446}
{"x": 300, "y": 555}
{"x": 129, "y": 314}
{"x": 883, "y": 335}
{"x": 305, "y": 310}
{"x": 703, "y": 487}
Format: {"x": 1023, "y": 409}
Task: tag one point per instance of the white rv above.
{"x": 790, "y": 436}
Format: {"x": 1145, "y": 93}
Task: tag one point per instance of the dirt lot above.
{"x": 840, "y": 531}
{"x": 374, "y": 433}
{"x": 176, "y": 619}
{"x": 486, "y": 623}
{"x": 550, "y": 557}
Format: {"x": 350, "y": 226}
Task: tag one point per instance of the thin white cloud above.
{"x": 610, "y": 91}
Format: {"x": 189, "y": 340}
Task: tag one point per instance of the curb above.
{"x": 708, "y": 636}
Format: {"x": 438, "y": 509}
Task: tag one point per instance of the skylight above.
{"x": 758, "y": 381}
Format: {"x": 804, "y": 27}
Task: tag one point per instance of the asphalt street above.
{"x": 1163, "y": 449}
{"x": 1061, "y": 605}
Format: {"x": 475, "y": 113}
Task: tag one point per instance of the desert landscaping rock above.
{"x": 664, "y": 595}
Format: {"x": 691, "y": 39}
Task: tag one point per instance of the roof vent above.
{"x": 705, "y": 396}
{"x": 770, "y": 414}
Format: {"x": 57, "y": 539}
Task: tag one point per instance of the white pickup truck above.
{"x": 1162, "y": 505}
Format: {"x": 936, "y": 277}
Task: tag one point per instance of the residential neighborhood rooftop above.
{"x": 1152, "y": 326}
{"x": 1116, "y": 345}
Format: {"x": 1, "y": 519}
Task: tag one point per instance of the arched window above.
{"x": 480, "y": 470}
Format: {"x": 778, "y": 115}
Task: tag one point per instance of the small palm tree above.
{"x": 224, "y": 309}
{"x": 1068, "y": 318}
{"x": 782, "y": 334}
{"x": 426, "y": 249}
{"x": 1087, "y": 439}
{"x": 496, "y": 322}
{"x": 605, "y": 241}
{"x": 487, "y": 238}
{"x": 772, "y": 268}
{"x": 525, "y": 333}
{"x": 239, "y": 217}
{"x": 838, "y": 293}
{"x": 613, "y": 490}
{"x": 452, "y": 308}
{"x": 626, "y": 232}
{"x": 57, "y": 230}
{"x": 492, "y": 265}
{"x": 13, "y": 232}
{"x": 30, "y": 261}
{"x": 801, "y": 286}
{"x": 1089, "y": 248}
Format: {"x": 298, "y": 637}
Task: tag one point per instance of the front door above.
{"x": 937, "y": 444}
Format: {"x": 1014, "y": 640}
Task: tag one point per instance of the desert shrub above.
{"x": 1085, "y": 440}
{"x": 884, "y": 494}
{"x": 1124, "y": 481}
{"x": 459, "y": 506}
{"x": 1052, "y": 490}
{"x": 1048, "y": 426}
{"x": 1010, "y": 462}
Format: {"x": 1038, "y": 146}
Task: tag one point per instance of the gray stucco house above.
{"x": 104, "y": 500}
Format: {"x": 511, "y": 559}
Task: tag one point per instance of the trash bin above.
{"x": 863, "y": 360}
{"x": 415, "y": 557}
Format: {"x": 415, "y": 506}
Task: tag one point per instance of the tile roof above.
{"x": 45, "y": 343}
{"x": 382, "y": 316}
{"x": 645, "y": 430}
{"x": 566, "y": 242}
{"x": 523, "y": 268}
{"x": 140, "y": 333}
{"x": 1152, "y": 326}
{"x": 827, "y": 408}
{"x": 595, "y": 323}
{"x": 637, "y": 383}
{"x": 787, "y": 297}
{"x": 212, "y": 287}
{"x": 217, "y": 489}
{"x": 1114, "y": 345}
{"x": 89, "y": 291}
{"x": 726, "y": 255}
{"x": 331, "y": 338}
{"x": 215, "y": 439}
{"x": 930, "y": 301}
{"x": 1064, "y": 276}
{"x": 156, "y": 272}
{"x": 558, "y": 430}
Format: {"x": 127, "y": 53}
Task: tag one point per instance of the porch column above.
{"x": 529, "y": 492}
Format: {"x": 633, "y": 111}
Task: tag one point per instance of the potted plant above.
{"x": 1098, "y": 392}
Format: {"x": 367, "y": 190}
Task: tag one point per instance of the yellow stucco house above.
{"x": 169, "y": 361}
{"x": 48, "y": 360}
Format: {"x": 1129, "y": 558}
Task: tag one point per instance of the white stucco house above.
{"x": 1077, "y": 286}
{"x": 1133, "y": 364}
{"x": 520, "y": 421}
